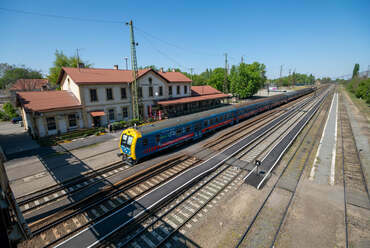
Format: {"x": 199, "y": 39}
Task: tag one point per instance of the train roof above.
{"x": 182, "y": 119}
{"x": 200, "y": 115}
{"x": 196, "y": 116}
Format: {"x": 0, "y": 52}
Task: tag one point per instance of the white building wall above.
{"x": 40, "y": 124}
{"x": 69, "y": 85}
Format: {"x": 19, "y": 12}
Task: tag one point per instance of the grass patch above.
{"x": 362, "y": 106}
{"x": 68, "y": 137}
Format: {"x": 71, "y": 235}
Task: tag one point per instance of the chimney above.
{"x": 173, "y": 70}
{"x": 161, "y": 70}
{"x": 81, "y": 65}
{"x": 115, "y": 67}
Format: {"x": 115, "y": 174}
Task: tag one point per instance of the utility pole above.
{"x": 225, "y": 80}
{"x": 281, "y": 72}
{"x": 368, "y": 69}
{"x": 242, "y": 60}
{"x": 78, "y": 59}
{"x": 134, "y": 88}
{"x": 126, "y": 63}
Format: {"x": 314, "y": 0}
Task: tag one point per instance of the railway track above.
{"x": 39, "y": 198}
{"x": 264, "y": 226}
{"x": 160, "y": 229}
{"x": 55, "y": 228}
{"x": 356, "y": 193}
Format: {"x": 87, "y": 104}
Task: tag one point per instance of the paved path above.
{"x": 14, "y": 139}
{"x": 324, "y": 165}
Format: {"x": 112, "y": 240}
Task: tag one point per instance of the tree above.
{"x": 62, "y": 60}
{"x": 356, "y": 70}
{"x": 247, "y": 79}
{"x": 11, "y": 73}
{"x": 217, "y": 78}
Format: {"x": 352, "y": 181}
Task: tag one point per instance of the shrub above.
{"x": 9, "y": 110}
{"x": 3, "y": 116}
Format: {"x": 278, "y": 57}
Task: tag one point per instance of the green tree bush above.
{"x": 62, "y": 60}
{"x": 246, "y": 79}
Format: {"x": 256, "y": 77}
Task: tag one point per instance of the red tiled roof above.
{"x": 192, "y": 99}
{"x": 204, "y": 90}
{"x": 45, "y": 101}
{"x": 174, "y": 76}
{"x": 103, "y": 76}
{"x": 29, "y": 84}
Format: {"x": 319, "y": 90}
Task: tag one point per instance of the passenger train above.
{"x": 140, "y": 142}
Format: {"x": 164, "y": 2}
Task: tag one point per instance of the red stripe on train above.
{"x": 217, "y": 125}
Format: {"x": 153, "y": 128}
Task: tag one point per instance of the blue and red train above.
{"x": 137, "y": 143}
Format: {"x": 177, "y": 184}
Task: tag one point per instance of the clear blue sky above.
{"x": 325, "y": 38}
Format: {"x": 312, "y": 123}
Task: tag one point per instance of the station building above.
{"x": 91, "y": 97}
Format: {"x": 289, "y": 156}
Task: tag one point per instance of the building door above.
{"x": 96, "y": 120}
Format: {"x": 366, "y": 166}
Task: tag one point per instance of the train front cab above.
{"x": 127, "y": 143}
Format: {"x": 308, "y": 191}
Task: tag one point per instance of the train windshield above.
{"x": 126, "y": 140}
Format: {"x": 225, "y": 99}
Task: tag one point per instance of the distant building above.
{"x": 96, "y": 97}
{"x": 28, "y": 85}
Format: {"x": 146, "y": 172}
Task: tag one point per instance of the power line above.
{"x": 165, "y": 55}
{"x": 174, "y": 45}
{"x": 61, "y": 16}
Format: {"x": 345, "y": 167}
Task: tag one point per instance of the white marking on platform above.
{"x": 26, "y": 206}
{"x": 334, "y": 152}
{"x": 55, "y": 195}
{"x": 36, "y": 202}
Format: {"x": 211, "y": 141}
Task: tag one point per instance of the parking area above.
{"x": 14, "y": 139}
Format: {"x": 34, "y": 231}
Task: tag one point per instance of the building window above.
{"x": 160, "y": 91}
{"x": 170, "y": 90}
{"x": 93, "y": 95}
{"x": 51, "y": 123}
{"x": 140, "y": 92}
{"x": 150, "y": 90}
{"x": 185, "y": 89}
{"x": 124, "y": 112}
{"x": 111, "y": 114}
{"x": 72, "y": 120}
{"x": 178, "y": 90}
{"x": 123, "y": 93}
{"x": 150, "y": 80}
{"x": 109, "y": 93}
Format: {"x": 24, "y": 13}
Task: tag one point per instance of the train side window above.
{"x": 145, "y": 142}
{"x": 157, "y": 138}
{"x": 178, "y": 131}
{"x": 197, "y": 126}
{"x": 205, "y": 123}
{"x": 188, "y": 129}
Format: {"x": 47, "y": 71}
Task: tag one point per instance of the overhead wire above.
{"x": 60, "y": 16}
